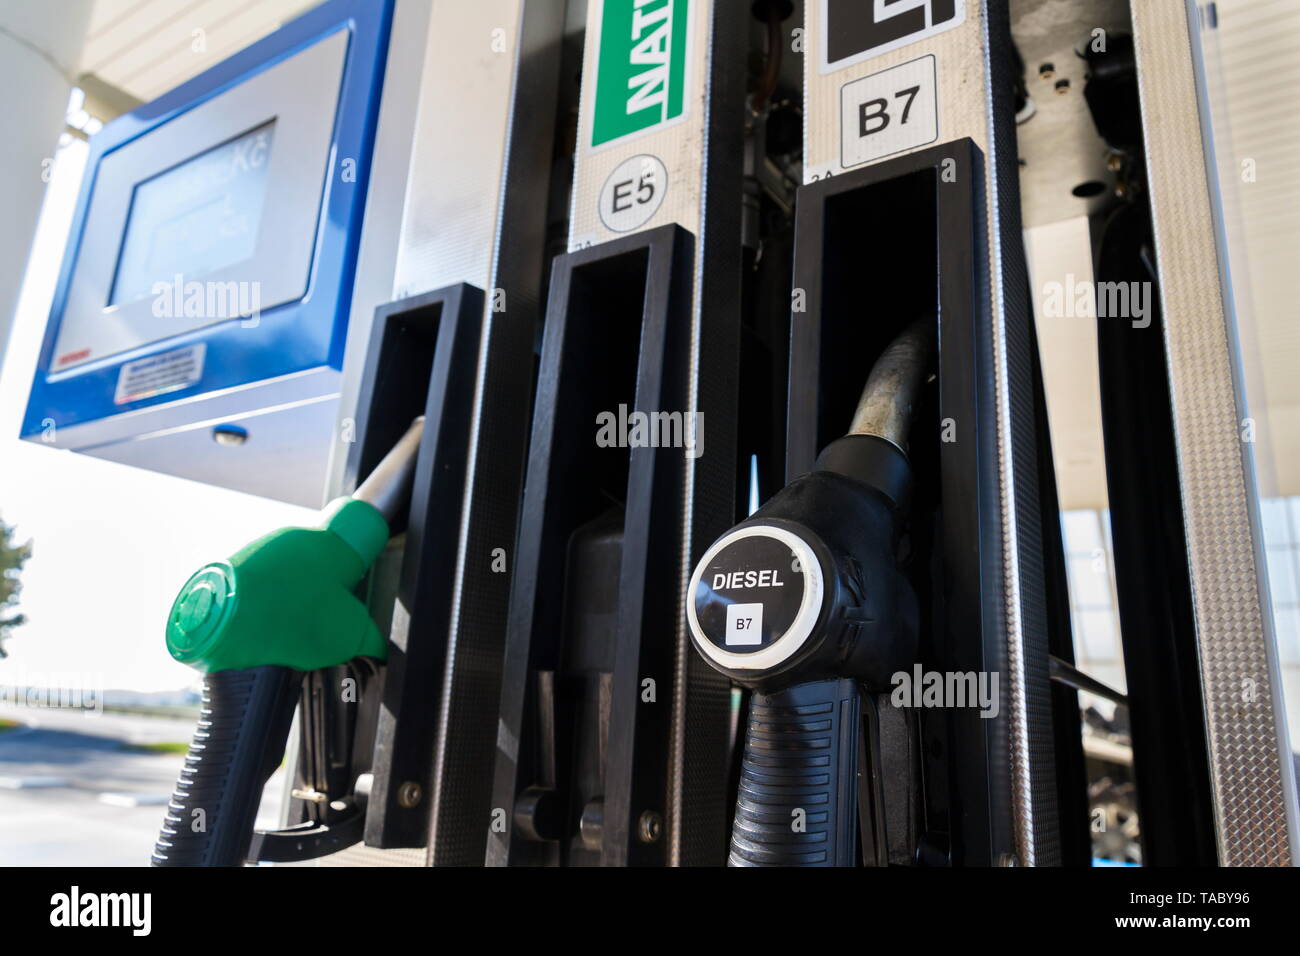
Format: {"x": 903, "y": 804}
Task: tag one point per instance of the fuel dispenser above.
{"x": 761, "y": 303}
{"x": 671, "y": 574}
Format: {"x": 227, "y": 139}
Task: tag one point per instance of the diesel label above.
{"x": 747, "y": 579}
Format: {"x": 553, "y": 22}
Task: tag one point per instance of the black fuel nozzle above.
{"x": 804, "y": 603}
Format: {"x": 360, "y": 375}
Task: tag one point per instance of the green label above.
{"x": 641, "y": 70}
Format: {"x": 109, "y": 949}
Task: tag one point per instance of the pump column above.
{"x": 39, "y": 48}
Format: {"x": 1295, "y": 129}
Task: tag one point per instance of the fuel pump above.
{"x": 280, "y": 607}
{"x": 804, "y": 603}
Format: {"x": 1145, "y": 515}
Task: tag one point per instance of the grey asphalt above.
{"x": 56, "y": 770}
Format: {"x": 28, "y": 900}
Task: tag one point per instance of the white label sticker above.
{"x": 888, "y": 112}
{"x": 633, "y": 193}
{"x": 159, "y": 374}
{"x": 744, "y": 624}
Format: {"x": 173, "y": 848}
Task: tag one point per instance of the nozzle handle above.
{"x": 237, "y": 745}
{"x": 797, "y": 802}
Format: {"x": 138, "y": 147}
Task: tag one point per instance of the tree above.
{"x": 12, "y": 558}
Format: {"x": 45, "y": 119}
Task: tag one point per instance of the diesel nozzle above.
{"x": 804, "y": 603}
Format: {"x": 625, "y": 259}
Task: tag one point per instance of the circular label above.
{"x": 633, "y": 193}
{"x": 755, "y": 597}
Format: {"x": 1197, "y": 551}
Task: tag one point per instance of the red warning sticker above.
{"x": 73, "y": 356}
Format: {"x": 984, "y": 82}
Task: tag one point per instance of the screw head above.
{"x": 650, "y": 826}
{"x": 410, "y": 794}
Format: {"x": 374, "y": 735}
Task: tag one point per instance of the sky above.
{"x": 111, "y": 544}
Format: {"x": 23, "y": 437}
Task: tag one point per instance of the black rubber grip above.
{"x": 237, "y": 745}
{"x": 797, "y": 802}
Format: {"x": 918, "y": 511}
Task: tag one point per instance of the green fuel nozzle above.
{"x": 254, "y": 624}
{"x": 287, "y": 598}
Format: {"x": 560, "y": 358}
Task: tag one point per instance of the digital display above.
{"x": 195, "y": 218}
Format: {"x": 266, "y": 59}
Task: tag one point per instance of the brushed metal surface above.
{"x": 1253, "y": 783}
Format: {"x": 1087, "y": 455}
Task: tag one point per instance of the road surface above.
{"x": 74, "y": 792}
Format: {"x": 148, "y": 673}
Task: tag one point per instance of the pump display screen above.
{"x": 195, "y": 218}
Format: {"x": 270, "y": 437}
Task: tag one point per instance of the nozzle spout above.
{"x": 388, "y": 487}
{"x": 886, "y": 406}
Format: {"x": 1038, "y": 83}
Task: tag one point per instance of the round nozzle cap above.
{"x": 200, "y": 611}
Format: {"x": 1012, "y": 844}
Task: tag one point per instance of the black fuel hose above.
{"x": 238, "y": 743}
